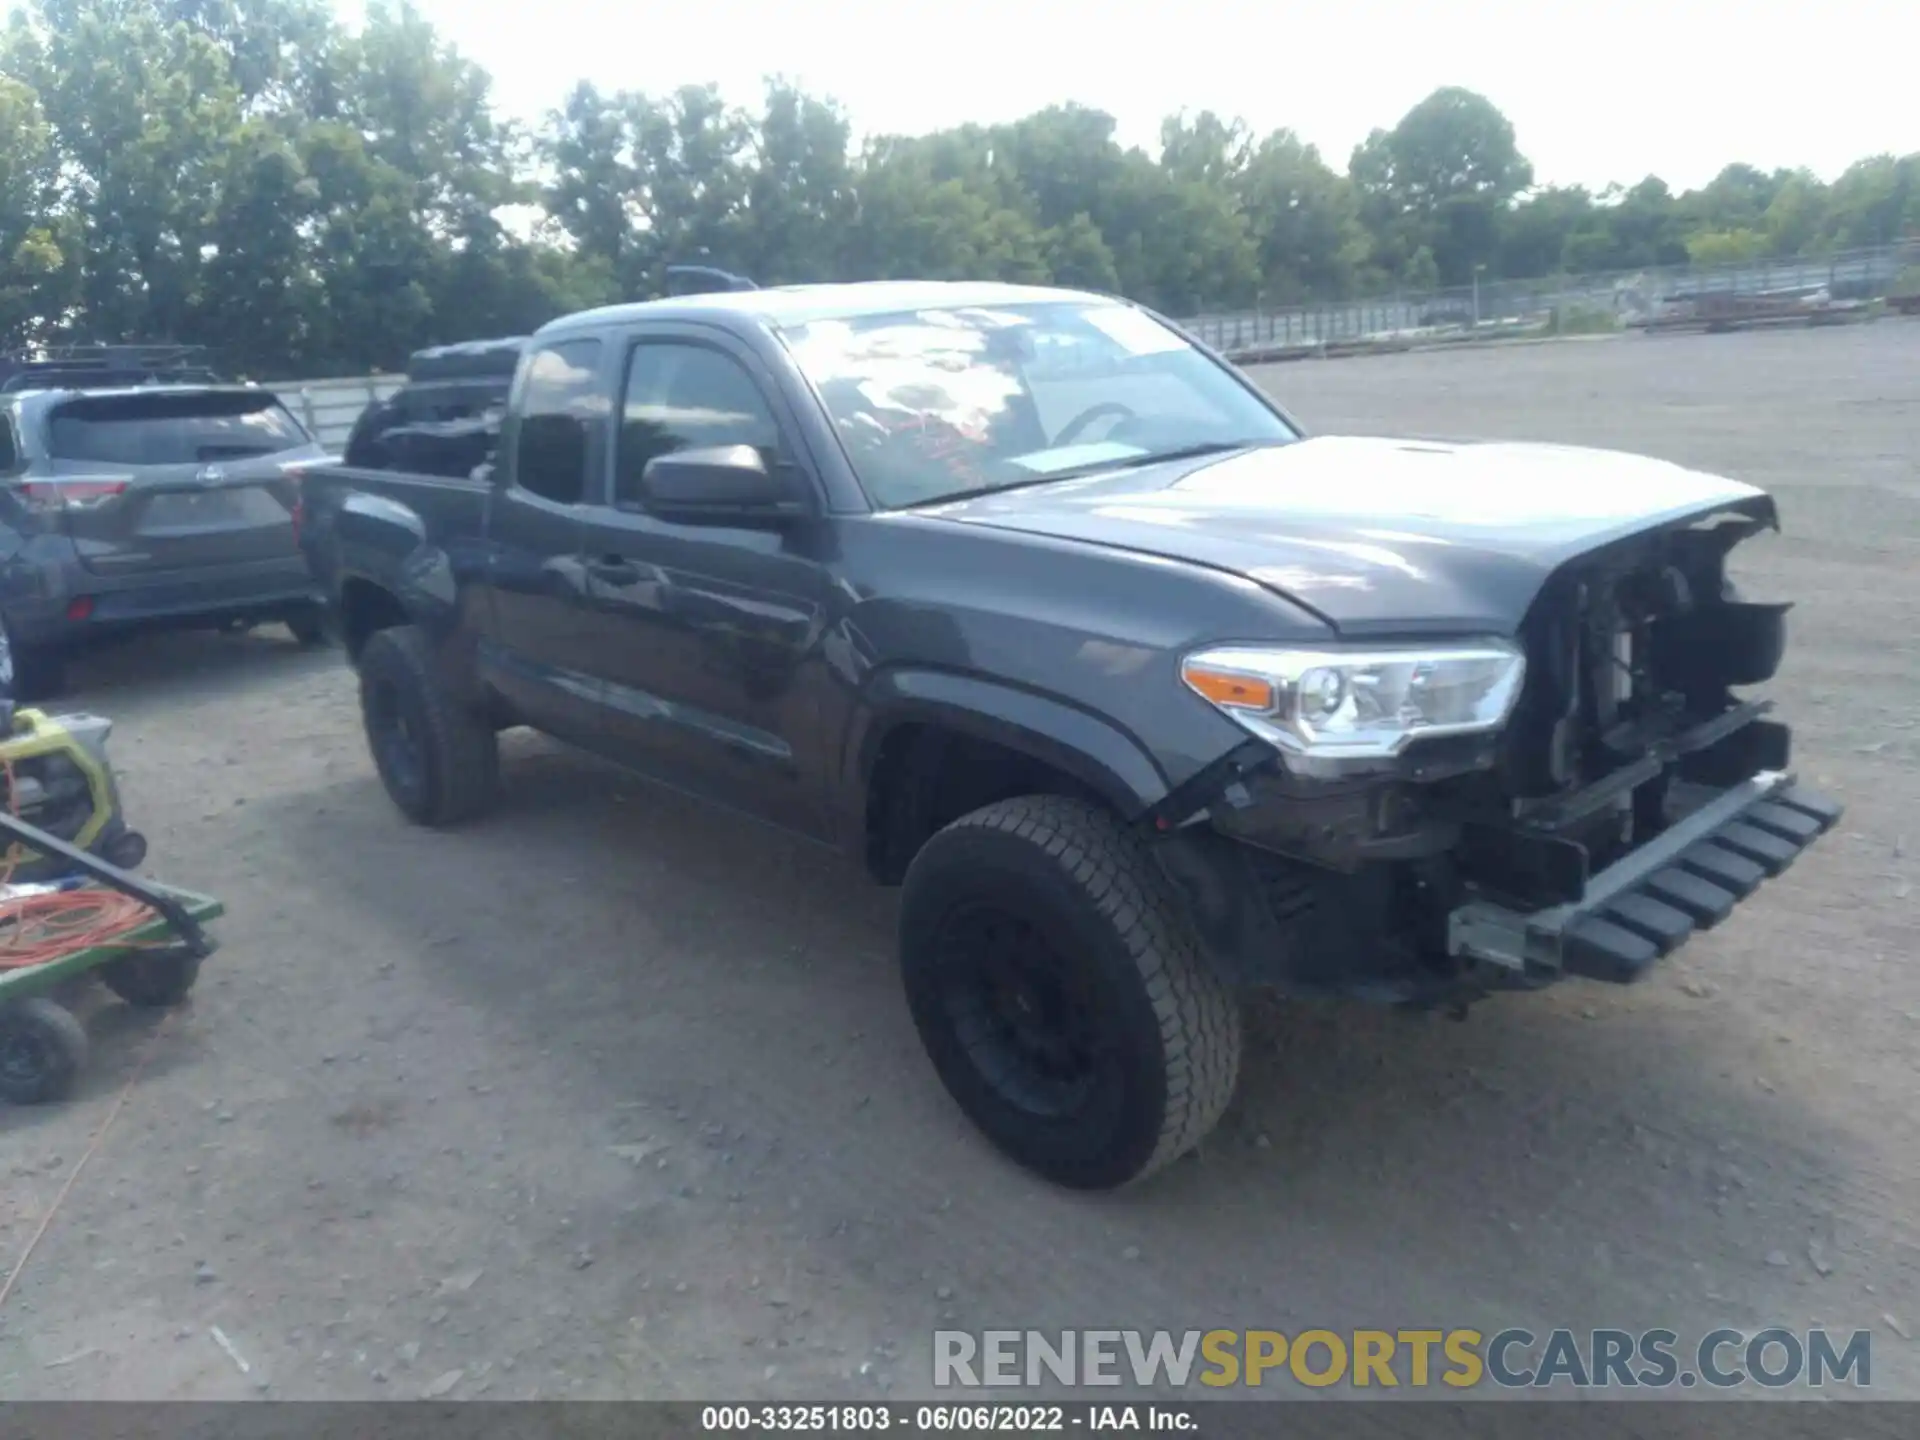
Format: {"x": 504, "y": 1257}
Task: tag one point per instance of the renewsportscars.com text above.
{"x": 1458, "y": 1359}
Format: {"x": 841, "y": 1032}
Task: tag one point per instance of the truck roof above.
{"x": 796, "y": 304}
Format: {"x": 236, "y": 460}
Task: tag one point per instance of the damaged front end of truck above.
{"x": 1623, "y": 791}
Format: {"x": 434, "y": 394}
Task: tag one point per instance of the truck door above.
{"x": 706, "y": 637}
{"x": 553, "y": 447}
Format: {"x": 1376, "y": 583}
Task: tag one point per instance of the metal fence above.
{"x": 1596, "y": 302}
{"x": 329, "y": 407}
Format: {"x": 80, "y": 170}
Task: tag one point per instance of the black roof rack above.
{"x": 65, "y": 367}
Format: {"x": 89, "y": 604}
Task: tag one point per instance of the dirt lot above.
{"x": 613, "y": 1097}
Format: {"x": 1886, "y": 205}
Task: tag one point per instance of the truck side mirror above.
{"x": 722, "y": 485}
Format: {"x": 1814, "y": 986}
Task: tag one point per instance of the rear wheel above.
{"x": 1060, "y": 994}
{"x": 440, "y": 763}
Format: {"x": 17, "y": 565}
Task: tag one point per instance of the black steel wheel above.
{"x": 439, "y": 762}
{"x": 153, "y": 979}
{"x": 1026, "y": 1012}
{"x": 42, "y": 1051}
{"x": 1060, "y": 994}
{"x": 397, "y": 737}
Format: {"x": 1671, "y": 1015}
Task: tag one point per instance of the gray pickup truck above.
{"x": 1051, "y": 616}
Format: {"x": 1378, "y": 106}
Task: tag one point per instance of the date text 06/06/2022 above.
{"x": 946, "y": 1417}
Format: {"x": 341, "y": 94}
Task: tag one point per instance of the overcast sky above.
{"x": 1597, "y": 92}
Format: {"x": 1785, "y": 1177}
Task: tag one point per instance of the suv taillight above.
{"x": 55, "y": 495}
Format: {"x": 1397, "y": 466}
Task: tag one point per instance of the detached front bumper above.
{"x": 1648, "y": 903}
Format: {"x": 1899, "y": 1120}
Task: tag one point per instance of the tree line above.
{"x": 312, "y": 199}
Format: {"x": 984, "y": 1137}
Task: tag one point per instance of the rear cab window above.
{"x": 172, "y": 428}
{"x": 562, "y": 420}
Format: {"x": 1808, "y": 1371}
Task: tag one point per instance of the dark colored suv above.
{"x": 135, "y": 496}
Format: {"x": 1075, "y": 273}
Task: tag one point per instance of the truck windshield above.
{"x": 937, "y": 404}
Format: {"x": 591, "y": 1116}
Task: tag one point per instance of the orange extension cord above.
{"x": 40, "y": 928}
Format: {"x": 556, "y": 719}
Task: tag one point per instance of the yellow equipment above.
{"x": 54, "y": 774}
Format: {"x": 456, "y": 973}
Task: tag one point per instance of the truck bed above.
{"x": 393, "y": 527}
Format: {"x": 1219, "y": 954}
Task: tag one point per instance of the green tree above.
{"x": 1442, "y": 178}
{"x": 911, "y": 223}
{"x": 594, "y": 198}
{"x": 1874, "y": 202}
{"x": 1735, "y": 199}
{"x": 282, "y": 55}
{"x": 427, "y": 113}
{"x": 1420, "y": 274}
{"x": 38, "y": 259}
{"x": 1077, "y": 254}
{"x": 1304, "y": 220}
{"x": 799, "y": 195}
{"x": 1794, "y": 219}
{"x": 1725, "y": 247}
{"x": 376, "y": 261}
{"x": 309, "y": 196}
{"x": 1634, "y": 228}
{"x": 1205, "y": 150}
{"x": 263, "y": 289}
{"x": 140, "y": 112}
{"x": 692, "y": 163}
{"x": 1535, "y": 234}
{"x": 1053, "y": 165}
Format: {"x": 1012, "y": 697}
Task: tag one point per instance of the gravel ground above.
{"x": 612, "y": 1096}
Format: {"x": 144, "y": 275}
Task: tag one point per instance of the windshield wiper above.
{"x": 1096, "y": 467}
{"x": 1157, "y": 457}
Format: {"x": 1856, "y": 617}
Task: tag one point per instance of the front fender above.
{"x": 1097, "y": 753}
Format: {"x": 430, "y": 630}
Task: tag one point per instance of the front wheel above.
{"x": 1061, "y": 994}
{"x": 42, "y": 1051}
{"x": 440, "y": 763}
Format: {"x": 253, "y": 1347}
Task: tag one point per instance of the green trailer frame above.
{"x": 43, "y": 1047}
{"x": 38, "y": 979}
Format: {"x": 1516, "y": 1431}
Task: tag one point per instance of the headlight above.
{"x": 1358, "y": 703}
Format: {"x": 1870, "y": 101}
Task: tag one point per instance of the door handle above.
{"x": 614, "y": 570}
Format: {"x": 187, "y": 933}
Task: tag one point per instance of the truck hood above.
{"x": 1376, "y": 535}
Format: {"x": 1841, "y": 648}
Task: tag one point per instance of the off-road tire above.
{"x": 1073, "y": 872}
{"x": 43, "y": 1049}
{"x": 457, "y": 777}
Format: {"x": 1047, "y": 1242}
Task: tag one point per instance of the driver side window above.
{"x": 682, "y": 396}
